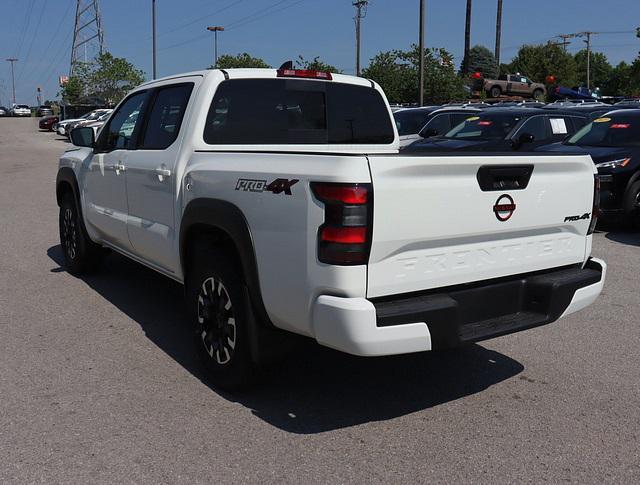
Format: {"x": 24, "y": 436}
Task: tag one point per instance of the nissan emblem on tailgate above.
{"x": 504, "y": 207}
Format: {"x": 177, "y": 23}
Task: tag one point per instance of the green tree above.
{"x": 107, "y": 78}
{"x": 316, "y": 64}
{"x": 619, "y": 81}
{"x": 228, "y": 61}
{"x": 539, "y": 61}
{"x": 111, "y": 78}
{"x": 483, "y": 60}
{"x": 72, "y": 91}
{"x": 397, "y": 72}
{"x": 600, "y": 68}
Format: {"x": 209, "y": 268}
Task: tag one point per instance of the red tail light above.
{"x": 305, "y": 73}
{"x": 345, "y": 236}
{"x": 595, "y": 211}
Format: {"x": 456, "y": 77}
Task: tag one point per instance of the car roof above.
{"x": 255, "y": 73}
{"x": 422, "y": 109}
{"x": 514, "y": 110}
{"x": 626, "y": 112}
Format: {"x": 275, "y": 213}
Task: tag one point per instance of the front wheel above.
{"x": 81, "y": 254}
{"x": 538, "y": 94}
{"x": 632, "y": 206}
{"x": 220, "y": 310}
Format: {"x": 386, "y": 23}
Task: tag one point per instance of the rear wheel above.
{"x": 632, "y": 205}
{"x": 538, "y": 94}
{"x": 81, "y": 254}
{"x": 220, "y": 310}
{"x": 495, "y": 92}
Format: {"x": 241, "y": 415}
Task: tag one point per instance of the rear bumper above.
{"x": 454, "y": 316}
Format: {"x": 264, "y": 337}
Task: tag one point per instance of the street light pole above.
{"x": 153, "y": 29}
{"x": 215, "y": 29}
{"x": 13, "y": 79}
{"x": 421, "y": 48}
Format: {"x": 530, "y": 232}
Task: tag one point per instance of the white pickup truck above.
{"x": 279, "y": 199}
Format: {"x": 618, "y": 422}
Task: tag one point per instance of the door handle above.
{"x": 163, "y": 173}
{"x": 119, "y": 168}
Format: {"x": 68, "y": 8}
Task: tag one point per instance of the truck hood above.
{"x": 447, "y": 144}
{"x": 598, "y": 154}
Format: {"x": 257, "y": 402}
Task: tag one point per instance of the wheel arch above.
{"x": 223, "y": 222}
{"x": 66, "y": 182}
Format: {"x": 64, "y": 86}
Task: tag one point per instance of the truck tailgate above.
{"x": 445, "y": 220}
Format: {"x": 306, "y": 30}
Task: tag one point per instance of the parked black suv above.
{"x": 613, "y": 141}
{"x": 505, "y": 129}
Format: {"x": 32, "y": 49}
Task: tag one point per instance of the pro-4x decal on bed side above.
{"x": 277, "y": 186}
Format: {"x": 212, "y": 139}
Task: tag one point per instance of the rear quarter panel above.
{"x": 283, "y": 227}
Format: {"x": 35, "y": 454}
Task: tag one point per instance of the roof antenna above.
{"x": 286, "y": 65}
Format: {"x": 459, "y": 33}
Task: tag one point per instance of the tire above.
{"x": 81, "y": 255}
{"x": 632, "y": 205}
{"x": 495, "y": 91}
{"x": 538, "y": 94}
{"x": 221, "y": 313}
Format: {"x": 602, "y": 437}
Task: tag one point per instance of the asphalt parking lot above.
{"x": 99, "y": 384}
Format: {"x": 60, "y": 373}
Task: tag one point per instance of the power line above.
{"x": 202, "y": 17}
{"x": 264, "y": 12}
{"x": 25, "y": 23}
{"x": 260, "y": 14}
{"x": 33, "y": 37}
{"x": 53, "y": 38}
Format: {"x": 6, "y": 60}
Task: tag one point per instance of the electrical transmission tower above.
{"x": 88, "y": 36}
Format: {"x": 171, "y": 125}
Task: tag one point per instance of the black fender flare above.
{"x": 228, "y": 218}
{"x": 66, "y": 175}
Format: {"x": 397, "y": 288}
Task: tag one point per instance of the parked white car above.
{"x": 62, "y": 127}
{"x": 97, "y": 124}
{"x": 20, "y": 110}
{"x": 280, "y": 200}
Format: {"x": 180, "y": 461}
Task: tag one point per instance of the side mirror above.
{"x": 523, "y": 139}
{"x": 428, "y": 132}
{"x": 83, "y": 137}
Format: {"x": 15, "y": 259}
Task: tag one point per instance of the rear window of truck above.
{"x": 286, "y": 111}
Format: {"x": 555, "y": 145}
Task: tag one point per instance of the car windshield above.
{"x": 22, "y": 106}
{"x": 410, "y": 121}
{"x": 485, "y": 127}
{"x": 609, "y": 131}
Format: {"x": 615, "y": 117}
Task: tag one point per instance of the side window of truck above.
{"x": 284, "y": 111}
{"x": 123, "y": 125}
{"x": 165, "y": 117}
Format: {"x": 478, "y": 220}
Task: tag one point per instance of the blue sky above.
{"x": 277, "y": 30}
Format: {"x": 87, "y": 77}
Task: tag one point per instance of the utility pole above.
{"x": 467, "y": 39}
{"x": 13, "y": 79}
{"x": 153, "y": 33}
{"x": 565, "y": 40}
{"x": 360, "y": 6}
{"x": 588, "y": 42}
{"x": 215, "y": 30}
{"x": 498, "y": 32}
{"x": 421, "y": 47}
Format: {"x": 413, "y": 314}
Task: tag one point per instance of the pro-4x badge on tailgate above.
{"x": 504, "y": 207}
{"x": 277, "y": 186}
